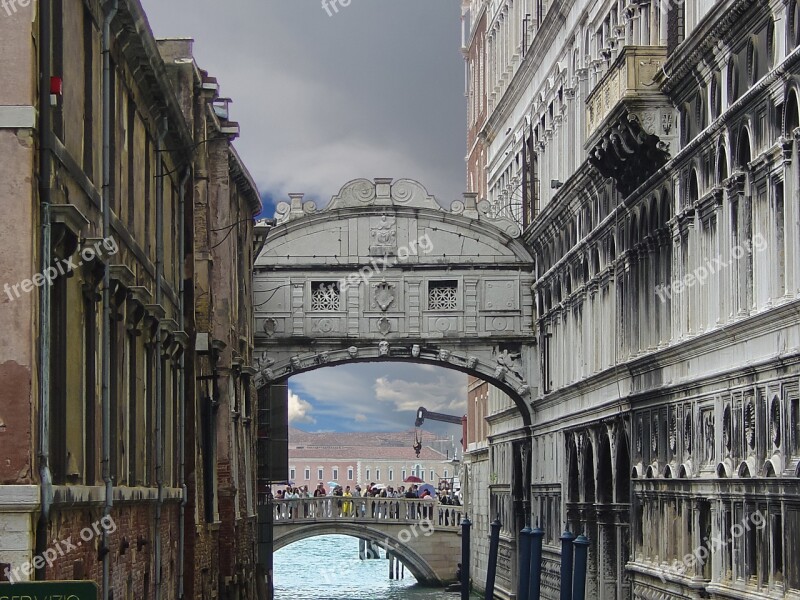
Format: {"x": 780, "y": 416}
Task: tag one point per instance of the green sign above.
{"x": 49, "y": 590}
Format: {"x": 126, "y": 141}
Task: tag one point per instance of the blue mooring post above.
{"x": 537, "y": 537}
{"x": 581, "y": 545}
{"x": 566, "y": 565}
{"x": 494, "y": 544}
{"x": 524, "y": 562}
{"x": 466, "y": 524}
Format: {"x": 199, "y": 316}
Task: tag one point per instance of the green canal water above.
{"x": 328, "y": 568}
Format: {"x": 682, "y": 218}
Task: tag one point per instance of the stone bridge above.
{"x": 423, "y": 534}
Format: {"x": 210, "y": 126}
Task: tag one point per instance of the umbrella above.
{"x": 428, "y": 487}
{"x": 332, "y": 484}
{"x": 412, "y": 479}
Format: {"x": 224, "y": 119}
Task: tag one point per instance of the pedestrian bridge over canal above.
{"x": 423, "y": 534}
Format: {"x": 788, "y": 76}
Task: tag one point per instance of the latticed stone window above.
{"x": 443, "y": 295}
{"x": 325, "y": 295}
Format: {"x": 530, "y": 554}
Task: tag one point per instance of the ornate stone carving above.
{"x": 384, "y": 295}
{"x": 444, "y": 355}
{"x": 472, "y": 362}
{"x": 384, "y": 325}
{"x": 322, "y": 358}
{"x": 511, "y": 362}
{"x": 415, "y": 350}
{"x": 352, "y": 351}
{"x": 384, "y": 236}
{"x": 296, "y": 363}
{"x": 270, "y": 326}
{"x": 383, "y": 348}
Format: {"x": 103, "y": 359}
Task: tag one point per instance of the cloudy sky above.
{"x": 375, "y": 397}
{"x": 375, "y": 90}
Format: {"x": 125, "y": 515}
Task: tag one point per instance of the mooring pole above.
{"x": 466, "y": 524}
{"x": 566, "y": 565}
{"x": 524, "y": 562}
{"x": 581, "y": 545}
{"x": 537, "y": 536}
{"x": 494, "y": 544}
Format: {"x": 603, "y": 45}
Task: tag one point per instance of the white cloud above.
{"x": 361, "y": 418}
{"x": 447, "y": 393}
{"x": 299, "y": 409}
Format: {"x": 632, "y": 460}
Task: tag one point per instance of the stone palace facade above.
{"x": 649, "y": 149}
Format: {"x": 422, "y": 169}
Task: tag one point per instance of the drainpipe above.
{"x": 111, "y": 11}
{"x": 46, "y": 166}
{"x": 181, "y": 391}
{"x": 162, "y": 134}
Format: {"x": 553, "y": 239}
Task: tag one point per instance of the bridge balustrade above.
{"x": 373, "y": 510}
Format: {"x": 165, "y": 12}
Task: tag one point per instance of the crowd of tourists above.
{"x": 349, "y": 501}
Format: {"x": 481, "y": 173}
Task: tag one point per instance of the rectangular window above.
{"x": 368, "y": 474}
{"x": 404, "y": 474}
{"x": 350, "y": 474}
{"x": 443, "y": 295}
{"x": 320, "y": 474}
{"x": 132, "y": 405}
{"x": 433, "y": 476}
{"x": 378, "y": 474}
{"x": 325, "y": 295}
{"x": 90, "y": 383}
{"x": 335, "y": 474}
{"x": 307, "y": 474}
{"x": 58, "y": 382}
{"x": 391, "y": 475}
{"x": 292, "y": 473}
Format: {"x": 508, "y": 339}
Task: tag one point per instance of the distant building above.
{"x": 363, "y": 458}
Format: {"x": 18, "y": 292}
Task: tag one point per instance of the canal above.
{"x": 328, "y": 568}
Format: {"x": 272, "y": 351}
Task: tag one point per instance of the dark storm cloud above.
{"x": 375, "y": 90}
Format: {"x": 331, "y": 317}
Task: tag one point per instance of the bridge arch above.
{"x": 416, "y": 562}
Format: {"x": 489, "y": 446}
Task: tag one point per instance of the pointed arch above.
{"x": 622, "y": 475}
{"x": 588, "y": 473}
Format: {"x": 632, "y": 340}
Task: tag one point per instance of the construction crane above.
{"x": 423, "y": 413}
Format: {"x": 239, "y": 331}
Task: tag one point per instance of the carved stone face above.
{"x": 444, "y": 354}
{"x": 415, "y": 349}
{"x": 352, "y": 351}
{"x": 383, "y": 348}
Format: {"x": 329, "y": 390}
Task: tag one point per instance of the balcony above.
{"x": 630, "y": 123}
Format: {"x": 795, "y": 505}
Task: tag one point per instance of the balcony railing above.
{"x": 361, "y": 510}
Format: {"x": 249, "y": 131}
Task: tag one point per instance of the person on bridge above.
{"x": 347, "y": 505}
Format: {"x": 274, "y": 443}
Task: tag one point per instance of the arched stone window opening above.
{"x": 595, "y": 261}
{"x": 633, "y": 233}
{"x": 722, "y": 163}
{"x": 791, "y": 118}
{"x": 694, "y": 188}
{"x": 744, "y": 470}
{"x": 668, "y": 472}
{"x": 622, "y": 482}
{"x": 605, "y": 475}
{"x": 588, "y": 474}
{"x": 743, "y": 149}
{"x": 574, "y": 478}
{"x": 793, "y": 28}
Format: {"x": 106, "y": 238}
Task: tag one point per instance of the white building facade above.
{"x": 649, "y": 149}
